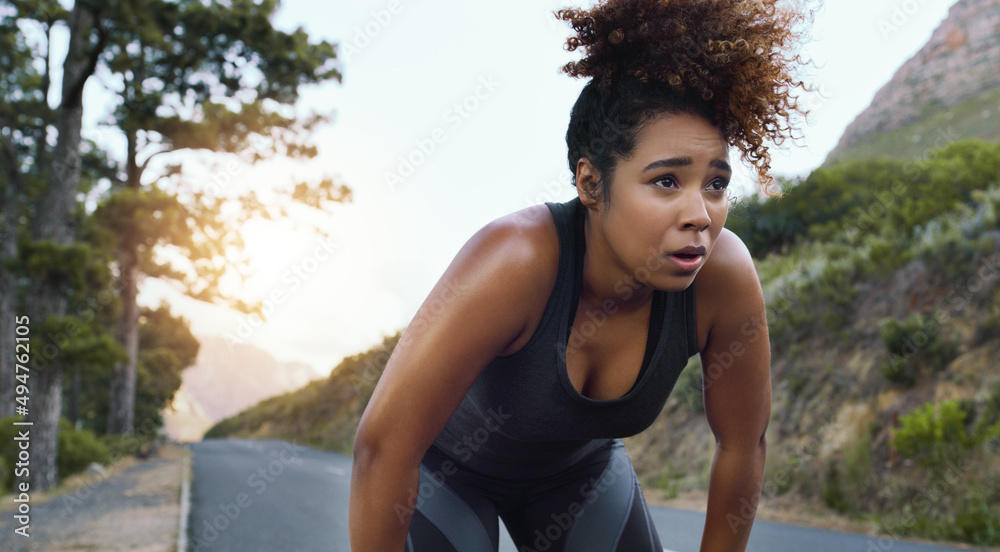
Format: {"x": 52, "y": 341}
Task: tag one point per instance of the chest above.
{"x": 604, "y": 352}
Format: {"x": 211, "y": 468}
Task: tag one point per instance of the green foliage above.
{"x": 122, "y": 446}
{"x": 6, "y": 476}
{"x": 898, "y": 369}
{"x": 779, "y": 474}
{"x": 937, "y": 436}
{"x": 166, "y": 347}
{"x": 9, "y": 447}
{"x": 323, "y": 414}
{"x": 77, "y": 267}
{"x": 912, "y": 344}
{"x": 77, "y": 449}
{"x": 863, "y": 198}
{"x": 934, "y": 128}
{"x": 667, "y": 482}
{"x": 883, "y": 254}
{"x": 689, "y": 385}
{"x": 848, "y": 487}
{"x": 833, "y": 489}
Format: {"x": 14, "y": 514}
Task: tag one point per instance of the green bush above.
{"x": 667, "y": 482}
{"x": 6, "y": 476}
{"x": 898, "y": 370}
{"x": 9, "y": 448}
{"x": 833, "y": 489}
{"x": 848, "y": 485}
{"x": 913, "y": 343}
{"x": 977, "y": 521}
{"x": 121, "y": 446}
{"x": 937, "y": 436}
{"x": 77, "y": 449}
{"x": 884, "y": 255}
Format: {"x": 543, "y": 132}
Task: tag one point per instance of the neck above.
{"x": 605, "y": 278}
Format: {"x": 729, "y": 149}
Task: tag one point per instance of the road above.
{"x": 272, "y": 496}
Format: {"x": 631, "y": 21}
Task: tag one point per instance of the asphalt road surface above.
{"x": 272, "y": 496}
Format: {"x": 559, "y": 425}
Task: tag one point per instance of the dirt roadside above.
{"x": 134, "y": 507}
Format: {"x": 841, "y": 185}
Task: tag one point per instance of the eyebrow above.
{"x": 683, "y": 162}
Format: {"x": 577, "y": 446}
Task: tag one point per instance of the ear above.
{"x": 588, "y": 183}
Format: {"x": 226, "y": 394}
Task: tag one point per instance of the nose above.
{"x": 694, "y": 214}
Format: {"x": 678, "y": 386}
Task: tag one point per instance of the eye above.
{"x": 665, "y": 181}
{"x": 718, "y": 185}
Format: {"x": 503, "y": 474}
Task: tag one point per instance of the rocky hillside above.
{"x": 946, "y": 91}
{"x": 225, "y": 379}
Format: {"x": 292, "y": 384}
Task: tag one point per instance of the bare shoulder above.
{"x": 522, "y": 248}
{"x": 531, "y": 229}
{"x": 524, "y": 242}
{"x": 727, "y": 287}
{"x": 479, "y": 308}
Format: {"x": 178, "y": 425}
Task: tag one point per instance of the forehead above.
{"x": 680, "y": 135}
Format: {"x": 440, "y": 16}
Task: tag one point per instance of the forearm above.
{"x": 734, "y": 489}
{"x": 383, "y": 495}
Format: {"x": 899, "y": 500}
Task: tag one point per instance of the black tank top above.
{"x": 522, "y": 417}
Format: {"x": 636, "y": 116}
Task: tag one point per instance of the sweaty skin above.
{"x": 669, "y": 194}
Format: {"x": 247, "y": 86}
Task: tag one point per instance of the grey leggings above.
{"x": 596, "y": 505}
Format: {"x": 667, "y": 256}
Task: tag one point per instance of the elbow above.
{"x": 377, "y": 449}
{"x": 366, "y": 447}
{"x": 747, "y": 446}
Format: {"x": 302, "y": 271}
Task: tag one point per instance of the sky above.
{"x": 451, "y": 114}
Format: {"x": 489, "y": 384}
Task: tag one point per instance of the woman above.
{"x": 562, "y": 328}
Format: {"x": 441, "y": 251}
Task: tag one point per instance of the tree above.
{"x": 188, "y": 57}
{"x": 26, "y": 125}
{"x": 199, "y": 77}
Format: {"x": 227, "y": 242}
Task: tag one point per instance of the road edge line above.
{"x": 182, "y": 524}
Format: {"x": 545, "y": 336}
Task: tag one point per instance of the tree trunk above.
{"x": 74, "y": 400}
{"x": 8, "y": 283}
{"x": 121, "y": 415}
{"x": 54, "y": 221}
{"x": 121, "y": 406}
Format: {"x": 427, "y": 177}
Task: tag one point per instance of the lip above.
{"x": 688, "y": 265}
{"x": 691, "y": 250}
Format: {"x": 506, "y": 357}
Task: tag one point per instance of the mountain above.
{"x": 225, "y": 379}
{"x": 949, "y": 90}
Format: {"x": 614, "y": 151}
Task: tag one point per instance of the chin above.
{"x": 677, "y": 282}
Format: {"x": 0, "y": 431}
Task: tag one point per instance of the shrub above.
{"x": 77, "y": 449}
{"x": 120, "y": 446}
{"x": 936, "y": 438}
{"x": 912, "y": 343}
{"x": 833, "y": 490}
{"x": 689, "y": 385}
{"x": 6, "y": 476}
{"x": 8, "y": 448}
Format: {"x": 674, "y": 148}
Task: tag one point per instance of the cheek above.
{"x": 719, "y": 214}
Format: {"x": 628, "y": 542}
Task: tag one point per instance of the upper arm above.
{"x": 736, "y": 359}
{"x": 480, "y": 305}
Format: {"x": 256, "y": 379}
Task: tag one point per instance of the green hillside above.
{"x": 324, "y": 414}
{"x": 977, "y": 118}
{"x": 881, "y": 279}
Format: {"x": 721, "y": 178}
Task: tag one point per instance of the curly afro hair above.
{"x": 727, "y": 60}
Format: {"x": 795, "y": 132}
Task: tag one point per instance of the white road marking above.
{"x": 336, "y": 471}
